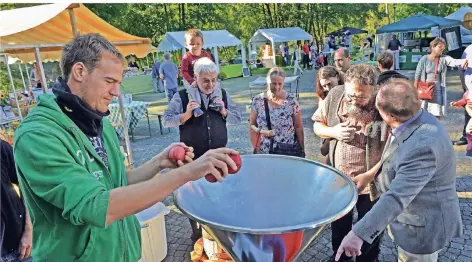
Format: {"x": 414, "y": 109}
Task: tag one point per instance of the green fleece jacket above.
{"x": 67, "y": 187}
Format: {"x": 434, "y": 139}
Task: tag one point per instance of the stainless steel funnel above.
{"x": 272, "y": 209}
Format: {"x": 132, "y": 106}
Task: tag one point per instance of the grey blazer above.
{"x": 418, "y": 185}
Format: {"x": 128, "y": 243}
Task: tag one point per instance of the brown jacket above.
{"x": 377, "y": 131}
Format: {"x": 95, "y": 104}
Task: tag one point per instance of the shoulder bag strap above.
{"x": 436, "y": 69}
{"x": 269, "y": 124}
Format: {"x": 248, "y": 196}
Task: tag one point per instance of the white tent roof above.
{"x": 278, "y": 35}
{"x": 212, "y": 38}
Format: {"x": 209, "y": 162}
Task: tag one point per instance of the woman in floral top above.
{"x": 284, "y": 111}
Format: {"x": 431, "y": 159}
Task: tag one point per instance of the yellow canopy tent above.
{"x": 50, "y": 26}
{"x": 39, "y": 33}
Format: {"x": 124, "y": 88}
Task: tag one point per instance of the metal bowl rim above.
{"x": 278, "y": 230}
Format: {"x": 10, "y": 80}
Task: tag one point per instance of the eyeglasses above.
{"x": 355, "y": 98}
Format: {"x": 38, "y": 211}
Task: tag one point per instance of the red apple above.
{"x": 210, "y": 178}
{"x": 177, "y": 153}
{"x": 238, "y": 161}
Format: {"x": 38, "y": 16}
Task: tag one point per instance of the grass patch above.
{"x": 232, "y": 70}
{"x": 263, "y": 71}
{"x": 137, "y": 84}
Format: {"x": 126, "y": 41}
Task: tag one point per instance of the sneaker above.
{"x": 469, "y": 153}
{"x": 216, "y": 107}
{"x": 197, "y": 112}
{"x": 460, "y": 142}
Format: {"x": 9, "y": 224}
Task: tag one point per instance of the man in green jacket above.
{"x": 79, "y": 195}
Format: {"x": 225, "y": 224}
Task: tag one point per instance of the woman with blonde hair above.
{"x": 430, "y": 78}
{"x": 276, "y": 120}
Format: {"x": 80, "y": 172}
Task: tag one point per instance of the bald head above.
{"x": 342, "y": 59}
{"x": 398, "y": 99}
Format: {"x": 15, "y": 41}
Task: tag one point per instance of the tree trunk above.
{"x": 317, "y": 23}
{"x": 269, "y": 13}
{"x": 299, "y": 9}
{"x": 265, "y": 16}
{"x": 280, "y": 17}
{"x": 167, "y": 17}
{"x": 180, "y": 17}
{"x": 183, "y": 17}
{"x": 276, "y": 16}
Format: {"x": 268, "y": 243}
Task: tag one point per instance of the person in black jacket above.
{"x": 385, "y": 63}
{"x": 16, "y": 231}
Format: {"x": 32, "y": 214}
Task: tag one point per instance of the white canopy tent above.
{"x": 459, "y": 15}
{"x": 212, "y": 39}
{"x": 277, "y": 35}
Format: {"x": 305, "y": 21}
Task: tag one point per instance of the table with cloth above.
{"x": 134, "y": 112}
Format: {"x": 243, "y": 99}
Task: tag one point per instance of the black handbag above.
{"x": 287, "y": 149}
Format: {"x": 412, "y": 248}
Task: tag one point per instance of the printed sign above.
{"x": 402, "y": 59}
{"x": 415, "y": 58}
{"x": 435, "y": 31}
{"x": 452, "y": 42}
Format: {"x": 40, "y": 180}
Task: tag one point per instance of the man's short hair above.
{"x": 361, "y": 74}
{"x": 343, "y": 51}
{"x": 399, "y": 99}
{"x": 191, "y": 33}
{"x": 167, "y": 56}
{"x": 88, "y": 49}
{"x": 386, "y": 59}
{"x": 204, "y": 64}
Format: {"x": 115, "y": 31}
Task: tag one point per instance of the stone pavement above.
{"x": 460, "y": 249}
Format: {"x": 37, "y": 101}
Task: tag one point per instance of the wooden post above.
{"x": 73, "y": 23}
{"x": 41, "y": 69}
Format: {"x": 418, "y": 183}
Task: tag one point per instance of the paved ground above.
{"x": 177, "y": 226}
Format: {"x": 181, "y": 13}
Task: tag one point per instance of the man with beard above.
{"x": 357, "y": 137}
{"x": 417, "y": 179}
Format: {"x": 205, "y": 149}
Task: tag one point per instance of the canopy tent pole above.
{"x": 273, "y": 51}
{"x": 125, "y": 130}
{"x": 217, "y": 60}
{"x": 22, "y": 77}
{"x": 28, "y": 75}
{"x": 72, "y": 21}
{"x": 243, "y": 55}
{"x": 41, "y": 68}
{"x": 13, "y": 86}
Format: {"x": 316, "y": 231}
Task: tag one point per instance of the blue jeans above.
{"x": 157, "y": 84}
{"x": 170, "y": 93}
{"x": 13, "y": 257}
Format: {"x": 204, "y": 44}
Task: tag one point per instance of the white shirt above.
{"x": 468, "y": 71}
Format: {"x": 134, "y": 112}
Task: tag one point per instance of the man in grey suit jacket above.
{"x": 417, "y": 180}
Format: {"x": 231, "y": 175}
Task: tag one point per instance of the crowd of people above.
{"x": 78, "y": 200}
